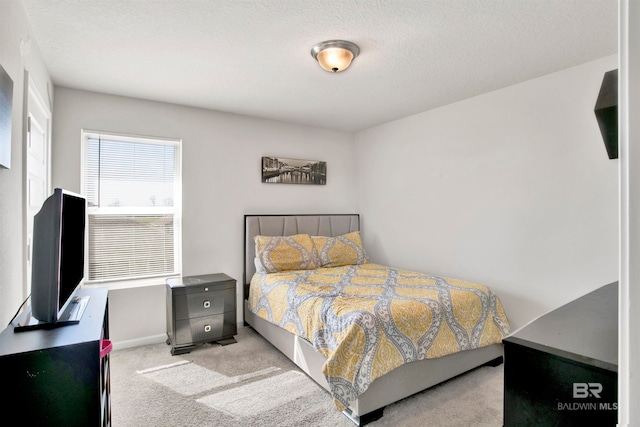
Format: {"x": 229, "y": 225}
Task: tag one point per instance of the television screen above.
{"x": 71, "y": 246}
{"x": 58, "y": 254}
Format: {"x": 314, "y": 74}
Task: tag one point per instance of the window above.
{"x": 133, "y": 190}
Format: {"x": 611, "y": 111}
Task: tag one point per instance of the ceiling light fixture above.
{"x": 335, "y": 55}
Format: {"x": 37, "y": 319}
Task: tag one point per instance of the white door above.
{"x": 38, "y": 155}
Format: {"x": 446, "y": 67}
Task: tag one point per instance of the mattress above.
{"x": 367, "y": 319}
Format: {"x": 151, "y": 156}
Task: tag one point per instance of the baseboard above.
{"x": 155, "y": 339}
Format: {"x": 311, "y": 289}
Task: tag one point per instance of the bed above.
{"x": 278, "y": 300}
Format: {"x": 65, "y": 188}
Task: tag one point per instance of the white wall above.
{"x": 221, "y": 182}
{"x": 512, "y": 189}
{"x": 14, "y": 28}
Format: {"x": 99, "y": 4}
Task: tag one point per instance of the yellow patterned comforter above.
{"x": 368, "y": 319}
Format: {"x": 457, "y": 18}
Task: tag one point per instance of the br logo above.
{"x": 584, "y": 390}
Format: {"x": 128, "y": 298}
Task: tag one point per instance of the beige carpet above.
{"x": 250, "y": 383}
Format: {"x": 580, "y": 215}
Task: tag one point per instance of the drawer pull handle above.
{"x": 207, "y": 328}
{"x": 207, "y": 304}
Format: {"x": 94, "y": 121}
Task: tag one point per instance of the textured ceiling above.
{"x": 253, "y": 57}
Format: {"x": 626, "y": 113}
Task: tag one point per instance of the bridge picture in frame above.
{"x": 280, "y": 170}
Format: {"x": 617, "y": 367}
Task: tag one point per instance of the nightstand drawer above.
{"x": 208, "y": 328}
{"x": 205, "y": 303}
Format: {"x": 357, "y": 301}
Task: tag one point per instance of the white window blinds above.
{"x": 133, "y": 191}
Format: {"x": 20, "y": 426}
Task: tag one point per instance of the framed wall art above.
{"x": 6, "y": 102}
{"x": 280, "y": 170}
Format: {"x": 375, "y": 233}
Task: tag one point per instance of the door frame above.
{"x": 32, "y": 95}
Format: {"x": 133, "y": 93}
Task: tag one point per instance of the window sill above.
{"x": 129, "y": 284}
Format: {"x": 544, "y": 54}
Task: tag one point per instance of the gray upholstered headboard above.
{"x": 287, "y": 225}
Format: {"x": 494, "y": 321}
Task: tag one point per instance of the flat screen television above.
{"x": 57, "y": 260}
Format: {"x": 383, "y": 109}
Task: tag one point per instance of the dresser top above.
{"x": 584, "y": 330}
{"x": 89, "y": 330}
{"x": 205, "y": 279}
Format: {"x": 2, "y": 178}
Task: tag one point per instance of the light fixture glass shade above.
{"x": 335, "y": 59}
{"x": 335, "y": 55}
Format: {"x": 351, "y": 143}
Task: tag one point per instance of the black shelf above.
{"x": 59, "y": 376}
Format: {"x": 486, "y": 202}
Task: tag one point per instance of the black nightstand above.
{"x": 200, "y": 309}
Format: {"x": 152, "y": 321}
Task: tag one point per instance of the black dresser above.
{"x": 562, "y": 368}
{"x": 200, "y": 309}
{"x": 59, "y": 376}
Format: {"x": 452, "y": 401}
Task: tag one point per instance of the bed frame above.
{"x": 403, "y": 381}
